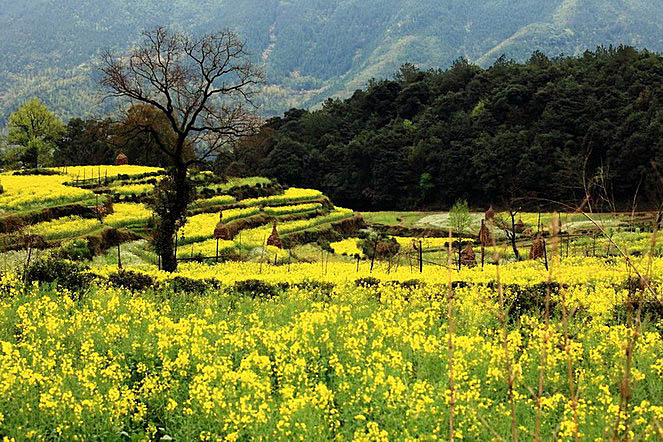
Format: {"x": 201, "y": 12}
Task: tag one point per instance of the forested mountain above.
{"x": 311, "y": 49}
{"x": 554, "y": 129}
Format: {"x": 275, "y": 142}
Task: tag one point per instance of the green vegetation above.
{"x": 235, "y": 352}
{"x": 520, "y": 135}
{"x": 405, "y": 219}
{"x": 34, "y": 130}
{"x": 311, "y": 49}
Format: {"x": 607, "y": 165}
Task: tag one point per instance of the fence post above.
{"x": 421, "y": 257}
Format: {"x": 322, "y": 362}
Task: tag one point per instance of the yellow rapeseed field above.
{"x": 23, "y": 192}
{"x": 328, "y": 357}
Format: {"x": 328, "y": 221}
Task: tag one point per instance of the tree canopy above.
{"x": 35, "y": 130}
{"x": 547, "y": 129}
{"x": 190, "y": 97}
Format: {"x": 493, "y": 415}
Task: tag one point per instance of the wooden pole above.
{"x": 545, "y": 253}
{"x": 482, "y": 254}
{"x": 568, "y": 244}
{"x": 538, "y": 225}
{"x": 421, "y": 257}
{"x": 594, "y": 245}
{"x": 262, "y": 254}
{"x": 375, "y": 251}
{"x": 119, "y": 257}
{"x": 27, "y": 263}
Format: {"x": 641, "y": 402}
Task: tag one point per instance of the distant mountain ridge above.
{"x": 311, "y": 49}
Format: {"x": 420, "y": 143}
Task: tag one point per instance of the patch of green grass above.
{"x": 404, "y": 219}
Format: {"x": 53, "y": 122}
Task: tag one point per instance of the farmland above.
{"x": 322, "y": 337}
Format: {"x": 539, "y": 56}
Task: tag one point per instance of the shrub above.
{"x": 66, "y": 274}
{"x": 255, "y": 289}
{"x": 75, "y": 250}
{"x": 37, "y": 172}
{"x": 367, "y": 282}
{"x": 130, "y": 280}
{"x": 319, "y": 289}
{"x": 381, "y": 247}
{"x": 651, "y": 310}
{"x": 531, "y": 299}
{"x": 206, "y": 192}
{"x": 412, "y": 284}
{"x": 181, "y": 284}
{"x": 312, "y": 285}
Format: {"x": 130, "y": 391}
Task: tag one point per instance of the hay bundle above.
{"x": 520, "y": 226}
{"x": 121, "y": 160}
{"x": 221, "y": 231}
{"x": 467, "y": 257}
{"x": 538, "y": 248}
{"x": 274, "y": 239}
{"x": 490, "y": 214}
{"x": 484, "y": 235}
{"x": 108, "y": 206}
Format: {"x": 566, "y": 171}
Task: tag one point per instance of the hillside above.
{"x": 311, "y": 49}
{"x": 551, "y": 129}
{"x": 80, "y": 212}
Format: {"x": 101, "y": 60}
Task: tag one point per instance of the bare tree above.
{"x": 204, "y": 88}
{"x": 506, "y": 222}
{"x": 460, "y": 220}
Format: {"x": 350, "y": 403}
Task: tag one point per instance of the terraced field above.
{"x": 63, "y": 208}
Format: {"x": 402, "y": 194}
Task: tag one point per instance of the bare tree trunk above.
{"x": 513, "y": 236}
{"x": 177, "y": 209}
{"x": 460, "y": 253}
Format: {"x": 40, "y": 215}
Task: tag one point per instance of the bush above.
{"x": 206, "y": 192}
{"x": 412, "y": 284}
{"x": 650, "y": 310}
{"x": 66, "y": 274}
{"x": 37, "y": 172}
{"x": 381, "y": 247}
{"x": 130, "y": 280}
{"x": 367, "y": 282}
{"x": 181, "y": 284}
{"x": 255, "y": 289}
{"x": 312, "y": 285}
{"x": 76, "y": 250}
{"x": 531, "y": 299}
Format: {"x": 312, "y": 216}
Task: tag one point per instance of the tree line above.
{"x": 560, "y": 129}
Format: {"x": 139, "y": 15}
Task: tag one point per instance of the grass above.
{"x": 404, "y": 219}
{"x": 572, "y": 221}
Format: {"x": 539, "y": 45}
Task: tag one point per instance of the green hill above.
{"x": 311, "y": 49}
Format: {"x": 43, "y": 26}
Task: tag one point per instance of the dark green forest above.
{"x": 547, "y": 129}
